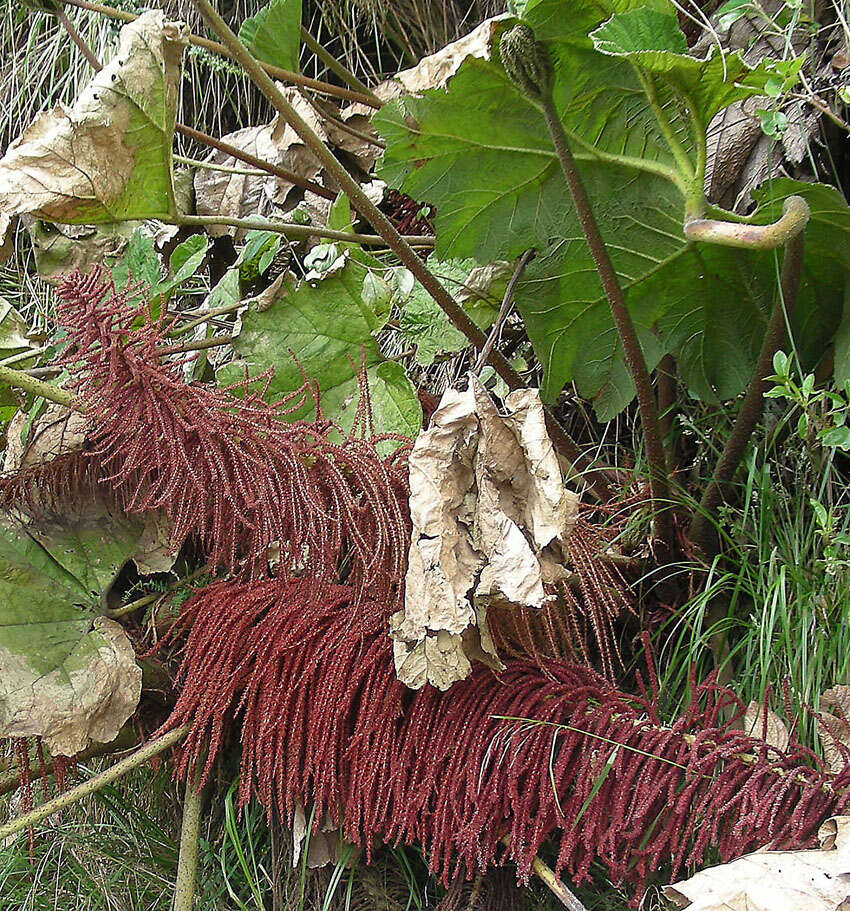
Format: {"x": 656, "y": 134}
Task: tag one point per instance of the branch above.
{"x": 21, "y": 380}
{"x": 335, "y": 66}
{"x": 11, "y": 780}
{"x": 290, "y": 230}
{"x": 234, "y": 152}
{"x": 187, "y": 859}
{"x": 323, "y": 88}
{"x": 402, "y": 249}
{"x": 524, "y": 260}
{"x": 701, "y": 530}
{"x": 145, "y": 600}
{"x": 204, "y": 138}
{"x": 87, "y": 788}
{"x": 546, "y": 875}
{"x": 795, "y": 216}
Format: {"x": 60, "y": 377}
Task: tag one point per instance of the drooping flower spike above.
{"x": 533, "y": 753}
{"x": 227, "y": 467}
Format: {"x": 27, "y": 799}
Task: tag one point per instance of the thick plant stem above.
{"x": 87, "y": 788}
{"x": 402, "y": 249}
{"x": 547, "y": 876}
{"x": 659, "y": 483}
{"x": 75, "y": 36}
{"x": 190, "y": 830}
{"x": 145, "y": 600}
{"x": 204, "y": 138}
{"x": 21, "y": 380}
{"x": 701, "y": 531}
{"x": 795, "y": 216}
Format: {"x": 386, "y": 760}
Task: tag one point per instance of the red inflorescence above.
{"x": 226, "y": 467}
{"x": 325, "y": 723}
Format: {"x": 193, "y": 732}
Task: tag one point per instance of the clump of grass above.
{"x": 774, "y": 610}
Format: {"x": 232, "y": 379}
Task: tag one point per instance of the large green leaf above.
{"x": 634, "y": 106}
{"x": 66, "y": 674}
{"x": 107, "y": 158}
{"x": 273, "y": 35}
{"x": 327, "y": 328}
{"x": 425, "y": 326}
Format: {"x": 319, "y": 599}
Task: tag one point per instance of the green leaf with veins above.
{"x": 426, "y": 326}
{"x": 273, "y": 35}
{"x": 66, "y": 674}
{"x": 327, "y": 329}
{"x": 634, "y": 106}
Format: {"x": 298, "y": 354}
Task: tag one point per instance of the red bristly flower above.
{"x": 325, "y": 722}
{"x": 224, "y": 467}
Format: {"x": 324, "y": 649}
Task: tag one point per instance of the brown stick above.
{"x": 524, "y": 260}
{"x": 234, "y": 152}
{"x": 595, "y": 479}
{"x": 77, "y": 38}
{"x": 335, "y": 66}
{"x": 323, "y": 88}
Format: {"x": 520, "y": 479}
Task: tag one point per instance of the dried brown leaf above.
{"x": 490, "y": 515}
{"x": 775, "y": 880}
{"x": 767, "y": 726}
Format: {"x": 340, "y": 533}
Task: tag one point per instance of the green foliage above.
{"x": 424, "y": 325}
{"x": 634, "y": 107}
{"x": 323, "y": 327}
{"x": 273, "y": 35}
{"x": 140, "y": 264}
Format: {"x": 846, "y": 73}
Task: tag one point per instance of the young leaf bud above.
{"x": 527, "y": 62}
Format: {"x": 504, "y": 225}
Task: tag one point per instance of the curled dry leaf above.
{"x": 106, "y": 158}
{"x": 759, "y": 721}
{"x": 490, "y": 516}
{"x": 776, "y": 880}
{"x": 834, "y": 727}
{"x": 56, "y": 432}
{"x": 238, "y": 195}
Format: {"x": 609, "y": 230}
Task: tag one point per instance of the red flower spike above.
{"x": 308, "y": 679}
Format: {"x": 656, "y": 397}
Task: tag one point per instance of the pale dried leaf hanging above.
{"x": 766, "y": 725}
{"x": 106, "y": 158}
{"x": 834, "y": 727}
{"x": 490, "y": 517}
{"x": 776, "y": 880}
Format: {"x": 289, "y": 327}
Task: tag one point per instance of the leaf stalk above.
{"x": 659, "y": 484}
{"x": 399, "y": 245}
{"x": 702, "y": 528}
{"x": 97, "y": 783}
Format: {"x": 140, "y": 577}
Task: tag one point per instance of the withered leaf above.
{"x": 490, "y": 515}
{"x": 775, "y": 880}
{"x": 106, "y": 158}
